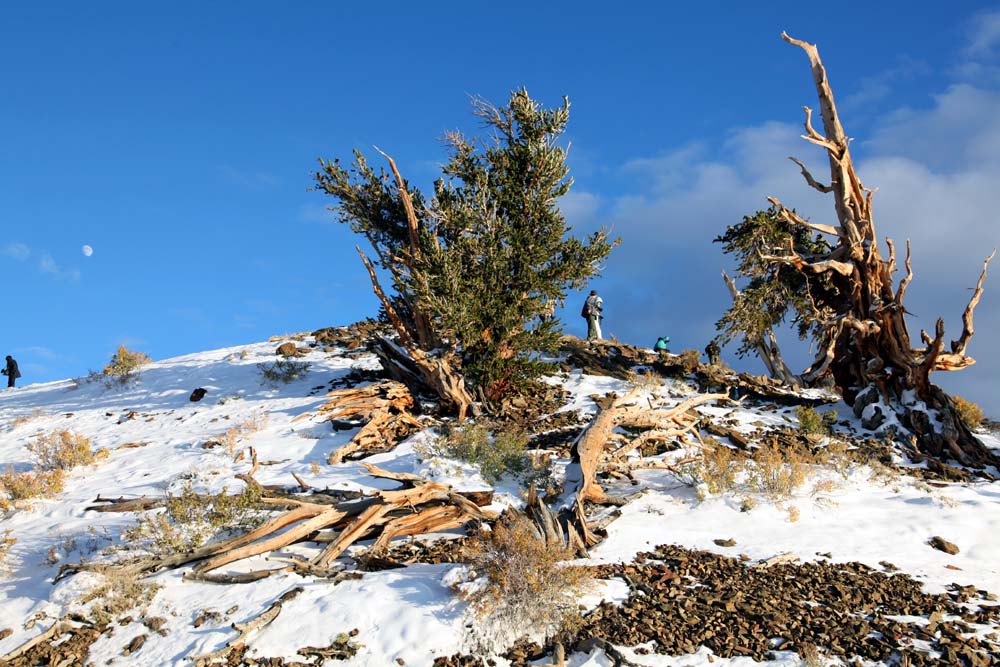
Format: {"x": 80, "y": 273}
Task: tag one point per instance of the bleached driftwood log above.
{"x": 631, "y": 410}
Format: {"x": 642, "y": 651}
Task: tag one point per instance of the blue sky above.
{"x": 179, "y": 139}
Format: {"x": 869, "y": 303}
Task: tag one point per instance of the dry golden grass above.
{"x": 969, "y": 412}
{"x": 119, "y": 593}
{"x": 124, "y": 367}
{"x": 61, "y": 450}
{"x": 528, "y": 587}
{"x": 256, "y": 421}
{"x": 647, "y": 380}
{"x": 778, "y": 471}
{"x": 719, "y": 467}
{"x": 21, "y": 420}
{"x": 7, "y": 540}
{"x": 30, "y": 484}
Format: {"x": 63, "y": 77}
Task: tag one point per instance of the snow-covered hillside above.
{"x": 155, "y": 439}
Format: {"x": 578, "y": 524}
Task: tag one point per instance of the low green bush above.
{"x": 503, "y": 454}
{"x": 283, "y": 371}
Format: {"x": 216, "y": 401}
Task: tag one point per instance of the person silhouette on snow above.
{"x": 11, "y": 371}
{"x": 592, "y": 309}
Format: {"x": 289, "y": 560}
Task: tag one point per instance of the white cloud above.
{"x": 872, "y": 90}
{"x": 984, "y": 35}
{"x": 47, "y": 264}
{"x": 18, "y": 251}
{"x": 959, "y": 132}
{"x": 580, "y": 207}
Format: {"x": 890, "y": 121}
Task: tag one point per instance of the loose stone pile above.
{"x": 681, "y": 599}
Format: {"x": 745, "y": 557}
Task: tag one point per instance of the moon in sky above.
{"x": 87, "y": 251}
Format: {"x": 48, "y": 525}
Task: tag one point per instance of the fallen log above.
{"x": 629, "y": 410}
{"x": 246, "y": 629}
{"x": 421, "y": 506}
{"x": 120, "y": 504}
{"x": 382, "y": 409}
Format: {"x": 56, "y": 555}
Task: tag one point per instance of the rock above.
{"x": 942, "y": 544}
{"x": 874, "y": 418}
{"x": 287, "y": 350}
{"x": 135, "y": 645}
{"x": 725, "y": 543}
{"x": 198, "y": 394}
{"x": 155, "y": 623}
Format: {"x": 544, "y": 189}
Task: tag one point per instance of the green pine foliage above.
{"x": 775, "y": 292}
{"x": 494, "y": 245}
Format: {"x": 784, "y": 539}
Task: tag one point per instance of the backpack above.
{"x": 586, "y": 310}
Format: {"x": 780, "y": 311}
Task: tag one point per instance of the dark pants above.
{"x": 10, "y": 381}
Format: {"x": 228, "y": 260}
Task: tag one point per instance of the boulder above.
{"x": 198, "y": 394}
{"x": 944, "y": 545}
{"x": 287, "y": 350}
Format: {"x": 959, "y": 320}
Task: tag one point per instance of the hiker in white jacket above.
{"x": 592, "y": 308}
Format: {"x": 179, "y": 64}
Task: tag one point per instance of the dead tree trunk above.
{"x": 418, "y": 359}
{"x": 865, "y": 343}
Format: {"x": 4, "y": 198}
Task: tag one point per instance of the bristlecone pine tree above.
{"x": 474, "y": 268}
{"x": 775, "y": 291}
{"x": 843, "y": 295}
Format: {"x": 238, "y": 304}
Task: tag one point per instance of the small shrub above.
{"x": 283, "y": 371}
{"x": 124, "y": 367}
{"x": 719, "y": 466}
{"x": 190, "y": 519}
{"x": 824, "y": 486}
{"x": 61, "y": 450}
{"x": 793, "y": 514}
{"x": 777, "y": 472}
{"x": 811, "y": 656}
{"x": 836, "y": 455}
{"x": 119, "y": 593}
{"x": 884, "y": 475}
{"x": 810, "y": 421}
{"x": 748, "y": 504}
{"x": 31, "y": 483}
{"x": 969, "y": 412}
{"x": 7, "y": 540}
{"x": 526, "y": 588}
{"x": 21, "y": 420}
{"x": 647, "y": 380}
{"x": 505, "y": 454}
{"x": 256, "y": 421}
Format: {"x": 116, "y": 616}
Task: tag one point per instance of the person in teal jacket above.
{"x": 661, "y": 343}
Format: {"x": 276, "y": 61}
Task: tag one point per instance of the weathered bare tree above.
{"x": 864, "y": 340}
